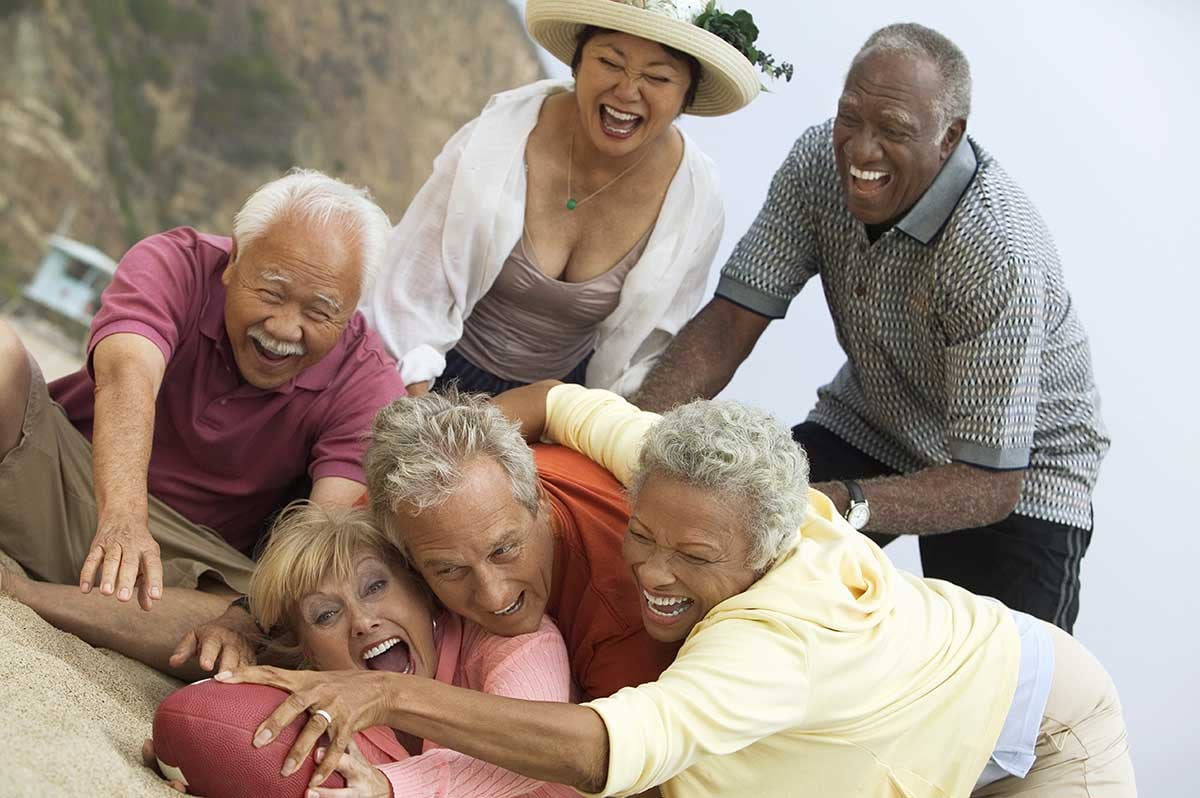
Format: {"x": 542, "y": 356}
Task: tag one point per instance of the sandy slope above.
{"x": 74, "y": 716}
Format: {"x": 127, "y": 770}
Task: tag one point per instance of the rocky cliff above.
{"x": 140, "y": 115}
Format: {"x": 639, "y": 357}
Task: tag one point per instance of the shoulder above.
{"x": 570, "y": 470}
{"x": 696, "y": 160}
{"x": 177, "y": 271}
{"x": 503, "y": 125}
{"x": 813, "y": 150}
{"x": 519, "y": 104}
{"x": 808, "y": 174}
{"x": 494, "y": 650}
{"x": 530, "y": 92}
{"x": 365, "y": 345}
{"x": 533, "y": 665}
{"x": 181, "y": 248}
{"x": 995, "y": 222}
{"x": 357, "y": 377}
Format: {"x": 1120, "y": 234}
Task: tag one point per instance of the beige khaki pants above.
{"x": 1082, "y": 749}
{"x": 48, "y": 508}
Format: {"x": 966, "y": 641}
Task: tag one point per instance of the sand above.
{"x": 74, "y": 716}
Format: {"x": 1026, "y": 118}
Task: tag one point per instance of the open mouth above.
{"x": 866, "y": 181}
{"x": 666, "y": 607}
{"x": 270, "y": 356}
{"x": 514, "y": 608}
{"x": 617, "y": 123}
{"x": 391, "y": 655}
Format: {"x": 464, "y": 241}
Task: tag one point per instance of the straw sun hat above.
{"x": 728, "y": 81}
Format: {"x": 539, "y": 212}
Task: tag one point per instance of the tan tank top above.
{"x": 530, "y": 327}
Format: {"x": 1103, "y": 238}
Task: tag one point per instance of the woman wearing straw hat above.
{"x": 567, "y": 232}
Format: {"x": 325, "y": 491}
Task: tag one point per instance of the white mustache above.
{"x": 273, "y": 345}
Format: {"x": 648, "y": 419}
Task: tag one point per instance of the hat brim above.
{"x": 728, "y": 80}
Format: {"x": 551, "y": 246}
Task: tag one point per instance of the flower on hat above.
{"x": 740, "y": 31}
{"x": 738, "y": 28}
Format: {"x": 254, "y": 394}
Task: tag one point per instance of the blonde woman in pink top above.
{"x": 336, "y": 595}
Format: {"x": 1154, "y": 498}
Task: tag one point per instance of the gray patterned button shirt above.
{"x": 961, "y": 341}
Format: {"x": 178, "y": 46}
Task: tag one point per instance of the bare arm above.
{"x": 545, "y": 740}
{"x": 336, "y": 492}
{"x": 128, "y": 370}
{"x": 527, "y": 405}
{"x": 939, "y": 499}
{"x": 555, "y": 742}
{"x": 703, "y": 357}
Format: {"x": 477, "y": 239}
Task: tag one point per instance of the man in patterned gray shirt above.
{"x": 966, "y": 406}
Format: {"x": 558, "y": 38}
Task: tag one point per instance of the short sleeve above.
{"x": 778, "y": 254}
{"x": 341, "y": 441}
{"x": 157, "y": 292}
{"x": 996, "y": 336}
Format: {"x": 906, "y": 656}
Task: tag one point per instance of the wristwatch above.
{"x": 859, "y": 511}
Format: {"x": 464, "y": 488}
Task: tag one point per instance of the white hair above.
{"x": 740, "y": 452}
{"x": 954, "y": 102}
{"x": 318, "y": 199}
{"x": 420, "y": 449}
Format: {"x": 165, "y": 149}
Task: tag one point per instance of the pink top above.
{"x": 227, "y": 454}
{"x": 532, "y": 667}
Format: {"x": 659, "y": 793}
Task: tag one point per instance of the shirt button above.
{"x": 860, "y": 291}
{"x": 224, "y": 402}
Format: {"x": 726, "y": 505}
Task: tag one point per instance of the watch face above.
{"x": 858, "y": 515}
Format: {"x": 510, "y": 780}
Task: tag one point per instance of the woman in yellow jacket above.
{"x": 808, "y": 664}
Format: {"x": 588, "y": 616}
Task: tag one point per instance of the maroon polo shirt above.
{"x": 227, "y": 454}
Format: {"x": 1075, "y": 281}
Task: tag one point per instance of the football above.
{"x": 203, "y": 737}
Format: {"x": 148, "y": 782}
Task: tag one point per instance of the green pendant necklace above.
{"x": 573, "y": 203}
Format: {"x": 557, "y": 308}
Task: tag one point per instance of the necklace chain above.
{"x": 573, "y": 203}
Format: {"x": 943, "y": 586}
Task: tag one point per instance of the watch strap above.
{"x": 855, "y": 490}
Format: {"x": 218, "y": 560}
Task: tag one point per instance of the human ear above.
{"x": 227, "y": 275}
{"x": 952, "y": 137}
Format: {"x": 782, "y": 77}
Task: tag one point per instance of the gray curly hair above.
{"x": 922, "y": 42}
{"x": 421, "y": 445}
{"x": 738, "y": 451}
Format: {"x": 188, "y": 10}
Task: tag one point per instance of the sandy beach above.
{"x": 74, "y": 716}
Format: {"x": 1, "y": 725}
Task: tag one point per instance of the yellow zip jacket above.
{"x": 834, "y": 675}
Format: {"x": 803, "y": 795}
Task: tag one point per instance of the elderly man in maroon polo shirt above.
{"x": 224, "y": 377}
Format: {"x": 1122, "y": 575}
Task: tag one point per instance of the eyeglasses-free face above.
{"x": 629, "y": 90}
{"x": 687, "y": 548}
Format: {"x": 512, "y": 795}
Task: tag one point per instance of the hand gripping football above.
{"x": 203, "y": 734}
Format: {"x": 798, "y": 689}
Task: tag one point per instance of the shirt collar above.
{"x": 316, "y": 377}
{"x": 927, "y": 218}
{"x": 212, "y": 315}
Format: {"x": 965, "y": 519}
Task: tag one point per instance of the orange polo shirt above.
{"x": 593, "y": 598}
